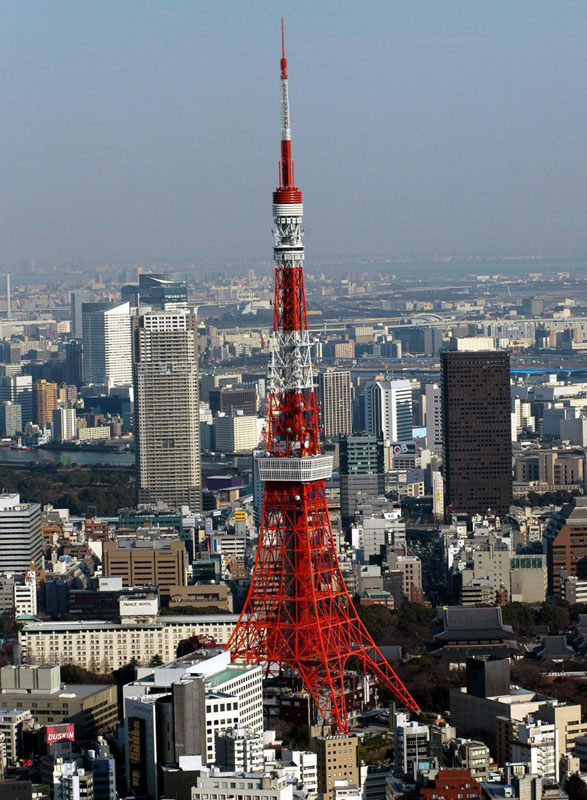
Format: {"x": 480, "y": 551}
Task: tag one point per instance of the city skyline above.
{"x": 293, "y": 536}
{"x": 441, "y": 130}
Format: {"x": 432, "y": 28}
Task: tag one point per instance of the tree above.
{"x": 375, "y": 618}
{"x": 576, "y": 787}
{"x": 156, "y": 661}
{"x": 521, "y": 617}
{"x": 555, "y": 616}
{"x": 415, "y": 614}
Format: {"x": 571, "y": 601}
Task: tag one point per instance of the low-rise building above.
{"x": 12, "y": 721}
{"x": 307, "y": 766}
{"x": 105, "y": 646}
{"x": 91, "y": 708}
{"x": 451, "y": 784}
{"x": 239, "y": 750}
{"x": 227, "y": 785}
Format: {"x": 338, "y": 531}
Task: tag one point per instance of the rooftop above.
{"x": 465, "y": 624}
{"x": 68, "y": 692}
{"x": 161, "y": 622}
{"x": 228, "y": 674}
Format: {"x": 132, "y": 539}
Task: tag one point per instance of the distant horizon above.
{"x": 459, "y": 267}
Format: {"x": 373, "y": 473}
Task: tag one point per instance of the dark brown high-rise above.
{"x": 476, "y": 419}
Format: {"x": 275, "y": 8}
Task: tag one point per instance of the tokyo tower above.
{"x": 298, "y": 612}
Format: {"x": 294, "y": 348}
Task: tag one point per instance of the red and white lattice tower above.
{"x": 298, "y": 612}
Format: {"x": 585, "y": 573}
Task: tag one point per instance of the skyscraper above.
{"x": 107, "y": 356}
{"x": 160, "y": 291}
{"x": 362, "y": 471}
{"x": 167, "y": 423}
{"x": 18, "y": 389}
{"x": 44, "y": 401}
{"x": 476, "y": 426}
{"x": 164, "y": 292}
{"x": 64, "y": 424}
{"x": 74, "y": 362}
{"x": 10, "y": 418}
{"x": 434, "y": 418}
{"x": 77, "y": 299}
{"x": 388, "y": 410}
{"x": 337, "y": 407}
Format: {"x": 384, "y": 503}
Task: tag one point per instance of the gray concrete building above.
{"x": 167, "y": 424}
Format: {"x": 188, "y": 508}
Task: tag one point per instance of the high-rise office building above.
{"x": 388, "y": 410}
{"x": 147, "y": 563}
{"x": 64, "y": 424}
{"x": 162, "y": 292}
{"x": 77, "y": 299}
{"x": 433, "y": 418}
{"x": 477, "y": 447}
{"x": 21, "y": 540}
{"x": 362, "y": 471}
{"x": 337, "y": 404}
{"x": 74, "y": 363}
{"x": 10, "y": 418}
{"x": 167, "y": 423}
{"x": 18, "y": 389}
{"x": 107, "y": 352}
{"x": 236, "y": 433}
{"x": 231, "y": 399}
{"x": 44, "y": 401}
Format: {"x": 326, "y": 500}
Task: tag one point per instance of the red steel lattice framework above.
{"x": 298, "y": 612}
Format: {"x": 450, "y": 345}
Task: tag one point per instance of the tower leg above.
{"x": 298, "y": 612}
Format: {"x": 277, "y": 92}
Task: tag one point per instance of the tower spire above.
{"x": 286, "y": 166}
{"x": 283, "y": 58}
{"x": 298, "y": 613}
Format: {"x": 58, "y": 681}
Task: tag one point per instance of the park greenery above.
{"x": 74, "y": 488}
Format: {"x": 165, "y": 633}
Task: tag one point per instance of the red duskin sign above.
{"x": 59, "y": 733}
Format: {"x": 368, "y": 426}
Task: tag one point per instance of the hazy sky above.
{"x": 136, "y": 131}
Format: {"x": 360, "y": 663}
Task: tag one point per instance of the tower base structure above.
{"x": 298, "y": 613}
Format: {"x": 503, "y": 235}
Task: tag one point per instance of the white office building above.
{"x": 25, "y": 596}
{"x": 21, "y": 540}
{"x": 536, "y": 744}
{"x": 12, "y": 722}
{"x": 64, "y": 424}
{"x": 229, "y": 695}
{"x": 388, "y": 410}
{"x": 306, "y": 763}
{"x": 238, "y": 433}
{"x": 107, "y": 356}
{"x": 239, "y": 750}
